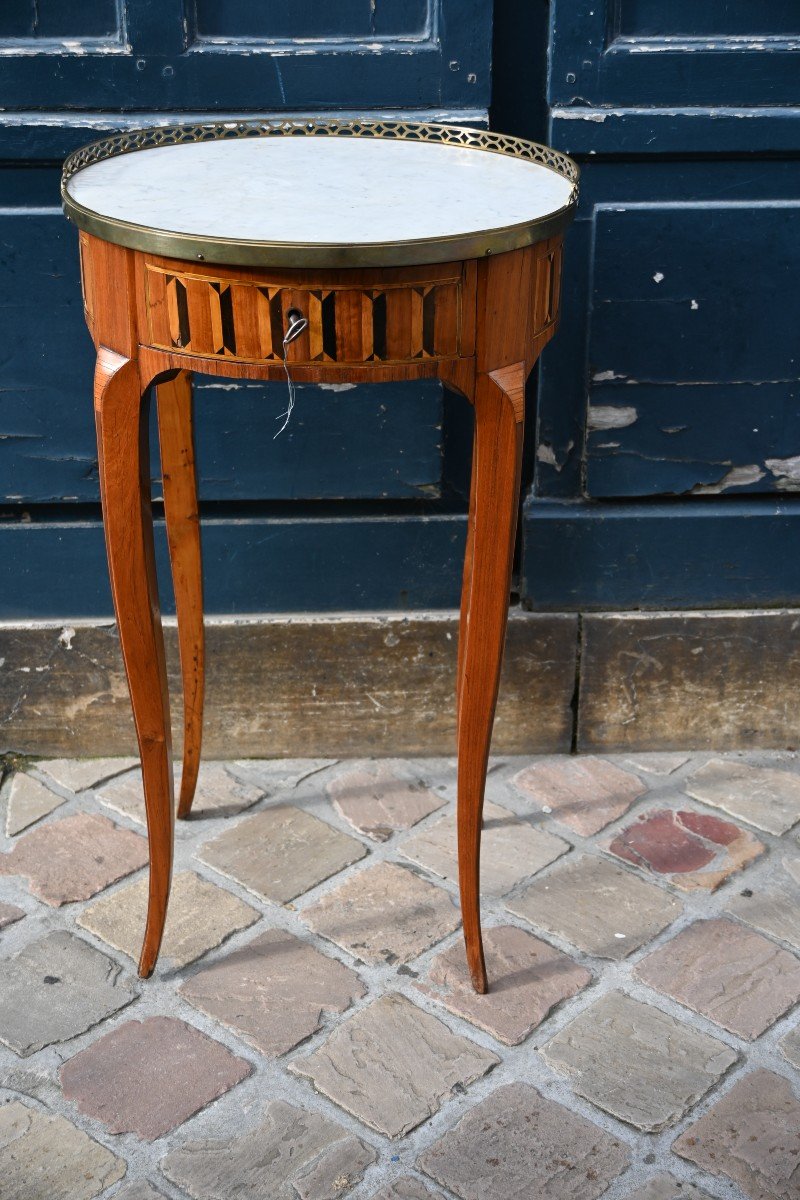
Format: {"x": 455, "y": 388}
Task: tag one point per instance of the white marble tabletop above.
{"x": 320, "y": 190}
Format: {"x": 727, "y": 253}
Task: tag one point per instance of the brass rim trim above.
{"x": 294, "y": 254}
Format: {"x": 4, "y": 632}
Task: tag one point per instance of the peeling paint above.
{"x": 337, "y": 387}
{"x": 66, "y": 636}
{"x": 605, "y": 376}
{"x": 545, "y": 453}
{"x": 786, "y": 472}
{"x": 611, "y": 416}
{"x": 735, "y": 477}
{"x": 581, "y": 114}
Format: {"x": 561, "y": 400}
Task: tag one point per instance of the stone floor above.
{"x": 310, "y": 1032}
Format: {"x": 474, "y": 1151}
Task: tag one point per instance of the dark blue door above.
{"x": 668, "y": 462}
{"x": 360, "y": 503}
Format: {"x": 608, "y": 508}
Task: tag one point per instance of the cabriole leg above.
{"x": 176, "y": 438}
{"x": 121, "y": 412}
{"x": 494, "y": 499}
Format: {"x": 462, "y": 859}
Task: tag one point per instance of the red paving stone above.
{"x": 147, "y": 1077}
{"x": 694, "y": 850}
{"x": 74, "y": 858}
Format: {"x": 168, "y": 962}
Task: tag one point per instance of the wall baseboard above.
{"x": 383, "y": 684}
{"x": 290, "y": 686}
{"x": 723, "y": 680}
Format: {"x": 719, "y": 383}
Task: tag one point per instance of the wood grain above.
{"x": 182, "y": 517}
{"x": 124, "y": 463}
{"x": 497, "y": 461}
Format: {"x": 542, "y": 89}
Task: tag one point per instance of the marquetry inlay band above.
{"x": 237, "y": 319}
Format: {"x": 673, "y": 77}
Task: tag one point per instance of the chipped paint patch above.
{"x": 545, "y": 453}
{"x": 66, "y": 636}
{"x": 611, "y": 416}
{"x": 606, "y": 376}
{"x": 735, "y": 477}
{"x": 581, "y": 114}
{"x": 658, "y": 277}
{"x": 336, "y": 387}
{"x": 786, "y": 472}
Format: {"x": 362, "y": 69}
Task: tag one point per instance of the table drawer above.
{"x": 407, "y": 316}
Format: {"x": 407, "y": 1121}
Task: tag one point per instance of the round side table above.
{"x": 337, "y": 251}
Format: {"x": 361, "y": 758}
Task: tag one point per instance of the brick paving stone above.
{"x": 77, "y": 774}
{"x": 281, "y": 852}
{"x": 9, "y": 913}
{"x": 511, "y": 850}
{"x": 274, "y": 990}
{"x": 385, "y": 913}
{"x": 667, "y": 1187}
{"x": 392, "y": 1065}
{"x": 74, "y": 858}
{"x": 200, "y": 916}
{"x": 762, "y": 796}
{"x": 407, "y": 1188}
{"x": 528, "y": 979}
{"x": 292, "y": 1155}
{"x": 692, "y": 850}
{"x": 726, "y": 972}
{"x": 56, "y": 988}
{"x": 517, "y": 1144}
{"x": 751, "y": 1136}
{"x": 636, "y": 1062}
{"x": 773, "y": 905}
{"x": 790, "y": 1047}
{"x": 584, "y": 793}
{"x": 28, "y": 801}
{"x": 657, "y": 764}
{"x": 218, "y": 794}
{"x": 147, "y": 1077}
{"x": 380, "y": 796}
{"x": 597, "y": 906}
{"x": 45, "y": 1157}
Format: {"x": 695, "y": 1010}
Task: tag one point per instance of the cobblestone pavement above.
{"x": 310, "y": 1032}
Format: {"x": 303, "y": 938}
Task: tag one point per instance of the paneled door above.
{"x": 359, "y": 504}
{"x": 668, "y": 465}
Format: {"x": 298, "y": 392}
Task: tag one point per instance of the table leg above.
{"x": 494, "y": 499}
{"x": 176, "y": 437}
{"x": 121, "y": 411}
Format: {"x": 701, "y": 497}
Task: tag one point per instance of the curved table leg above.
{"x": 494, "y": 500}
{"x": 176, "y": 438}
{"x": 121, "y": 413}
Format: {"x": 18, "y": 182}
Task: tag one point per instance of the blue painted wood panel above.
{"x": 366, "y": 19}
{"x": 687, "y": 554}
{"x": 251, "y": 564}
{"x": 713, "y": 18}
{"x": 694, "y": 370}
{"x": 668, "y": 405}
{"x": 245, "y": 55}
{"x": 636, "y": 54}
{"x": 39, "y": 20}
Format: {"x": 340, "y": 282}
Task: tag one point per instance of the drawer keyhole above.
{"x": 297, "y": 323}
